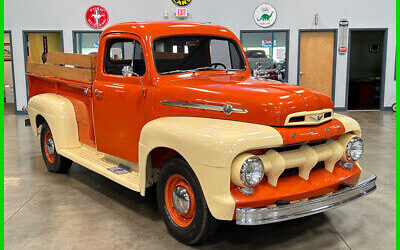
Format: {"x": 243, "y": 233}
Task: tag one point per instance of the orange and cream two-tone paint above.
{"x": 132, "y": 125}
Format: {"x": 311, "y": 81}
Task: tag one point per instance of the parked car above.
{"x": 174, "y": 104}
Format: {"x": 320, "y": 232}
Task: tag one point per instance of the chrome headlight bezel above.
{"x": 355, "y": 143}
{"x": 252, "y": 171}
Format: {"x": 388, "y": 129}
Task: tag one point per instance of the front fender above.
{"x": 209, "y": 146}
{"x": 59, "y": 114}
{"x": 350, "y": 125}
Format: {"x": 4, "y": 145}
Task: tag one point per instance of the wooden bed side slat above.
{"x": 77, "y": 74}
{"x": 84, "y": 61}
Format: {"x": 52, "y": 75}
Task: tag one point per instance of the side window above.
{"x": 124, "y": 52}
{"x": 219, "y": 51}
{"x": 236, "y": 61}
{"x": 225, "y": 52}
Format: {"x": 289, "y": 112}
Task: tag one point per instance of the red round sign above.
{"x": 342, "y": 49}
{"x": 96, "y": 17}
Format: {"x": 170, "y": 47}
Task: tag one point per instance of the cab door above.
{"x": 118, "y": 101}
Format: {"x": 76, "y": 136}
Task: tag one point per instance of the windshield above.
{"x": 177, "y": 54}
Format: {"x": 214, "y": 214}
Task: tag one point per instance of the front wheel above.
{"x": 54, "y": 162}
{"x": 182, "y": 204}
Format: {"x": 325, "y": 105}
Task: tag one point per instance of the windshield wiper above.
{"x": 203, "y": 68}
{"x": 175, "y": 71}
{"x": 188, "y": 70}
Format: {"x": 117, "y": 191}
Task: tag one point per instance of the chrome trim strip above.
{"x": 205, "y": 106}
{"x": 257, "y": 216}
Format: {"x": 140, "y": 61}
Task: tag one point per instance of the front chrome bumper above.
{"x": 258, "y": 216}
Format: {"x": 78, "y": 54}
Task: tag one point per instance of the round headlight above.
{"x": 252, "y": 171}
{"x": 355, "y": 148}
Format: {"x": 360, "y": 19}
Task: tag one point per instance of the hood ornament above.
{"x": 227, "y": 108}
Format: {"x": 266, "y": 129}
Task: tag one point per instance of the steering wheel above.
{"x": 215, "y": 65}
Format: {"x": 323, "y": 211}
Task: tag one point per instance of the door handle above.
{"x": 301, "y": 73}
{"x": 87, "y": 92}
{"x": 98, "y": 93}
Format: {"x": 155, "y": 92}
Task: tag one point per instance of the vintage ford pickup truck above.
{"x": 174, "y": 104}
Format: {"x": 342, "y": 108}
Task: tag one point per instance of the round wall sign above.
{"x": 181, "y": 2}
{"x": 97, "y": 17}
{"x": 265, "y": 15}
{"x": 342, "y": 50}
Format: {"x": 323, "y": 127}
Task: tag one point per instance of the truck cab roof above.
{"x": 154, "y": 29}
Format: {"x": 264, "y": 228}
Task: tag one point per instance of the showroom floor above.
{"x": 83, "y": 210}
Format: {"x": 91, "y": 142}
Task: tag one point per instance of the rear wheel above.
{"x": 182, "y": 204}
{"x": 54, "y": 162}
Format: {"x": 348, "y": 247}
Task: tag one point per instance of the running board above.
{"x": 95, "y": 161}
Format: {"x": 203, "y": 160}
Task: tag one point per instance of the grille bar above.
{"x": 305, "y": 159}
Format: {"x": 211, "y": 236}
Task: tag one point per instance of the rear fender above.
{"x": 59, "y": 114}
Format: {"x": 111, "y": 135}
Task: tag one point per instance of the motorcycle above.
{"x": 276, "y": 73}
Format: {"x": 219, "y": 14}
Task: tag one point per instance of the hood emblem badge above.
{"x": 317, "y": 117}
{"x": 227, "y": 108}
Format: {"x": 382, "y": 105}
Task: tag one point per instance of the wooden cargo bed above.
{"x": 69, "y": 66}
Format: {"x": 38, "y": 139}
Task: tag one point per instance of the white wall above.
{"x": 234, "y": 14}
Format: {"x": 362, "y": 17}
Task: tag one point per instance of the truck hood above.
{"x": 266, "y": 102}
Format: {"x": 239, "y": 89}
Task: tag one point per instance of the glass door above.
{"x": 267, "y": 49}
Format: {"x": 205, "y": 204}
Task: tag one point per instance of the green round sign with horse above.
{"x": 265, "y": 15}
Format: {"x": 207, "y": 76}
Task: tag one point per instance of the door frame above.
{"x": 12, "y": 70}
{"x": 74, "y": 32}
{"x": 270, "y": 31}
{"x": 24, "y": 42}
{"x": 334, "y": 57}
{"x": 383, "y": 69}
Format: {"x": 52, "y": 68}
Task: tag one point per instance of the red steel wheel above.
{"x": 179, "y": 200}
{"x": 54, "y": 162}
{"x": 182, "y": 204}
{"x": 49, "y": 147}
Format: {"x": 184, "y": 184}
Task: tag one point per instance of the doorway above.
{"x": 366, "y": 69}
{"x": 37, "y": 44}
{"x": 317, "y": 59}
{"x": 9, "y": 93}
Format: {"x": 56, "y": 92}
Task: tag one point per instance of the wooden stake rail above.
{"x": 60, "y": 65}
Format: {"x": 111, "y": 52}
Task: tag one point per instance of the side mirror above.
{"x": 127, "y": 71}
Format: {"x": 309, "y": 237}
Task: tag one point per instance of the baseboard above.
{"x": 386, "y": 109}
{"x": 20, "y": 112}
{"x": 340, "y": 109}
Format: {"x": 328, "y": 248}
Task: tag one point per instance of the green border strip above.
{"x": 2, "y": 123}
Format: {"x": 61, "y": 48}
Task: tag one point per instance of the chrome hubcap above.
{"x": 50, "y": 146}
{"x": 181, "y": 199}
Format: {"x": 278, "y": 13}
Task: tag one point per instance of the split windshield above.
{"x": 178, "y": 54}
